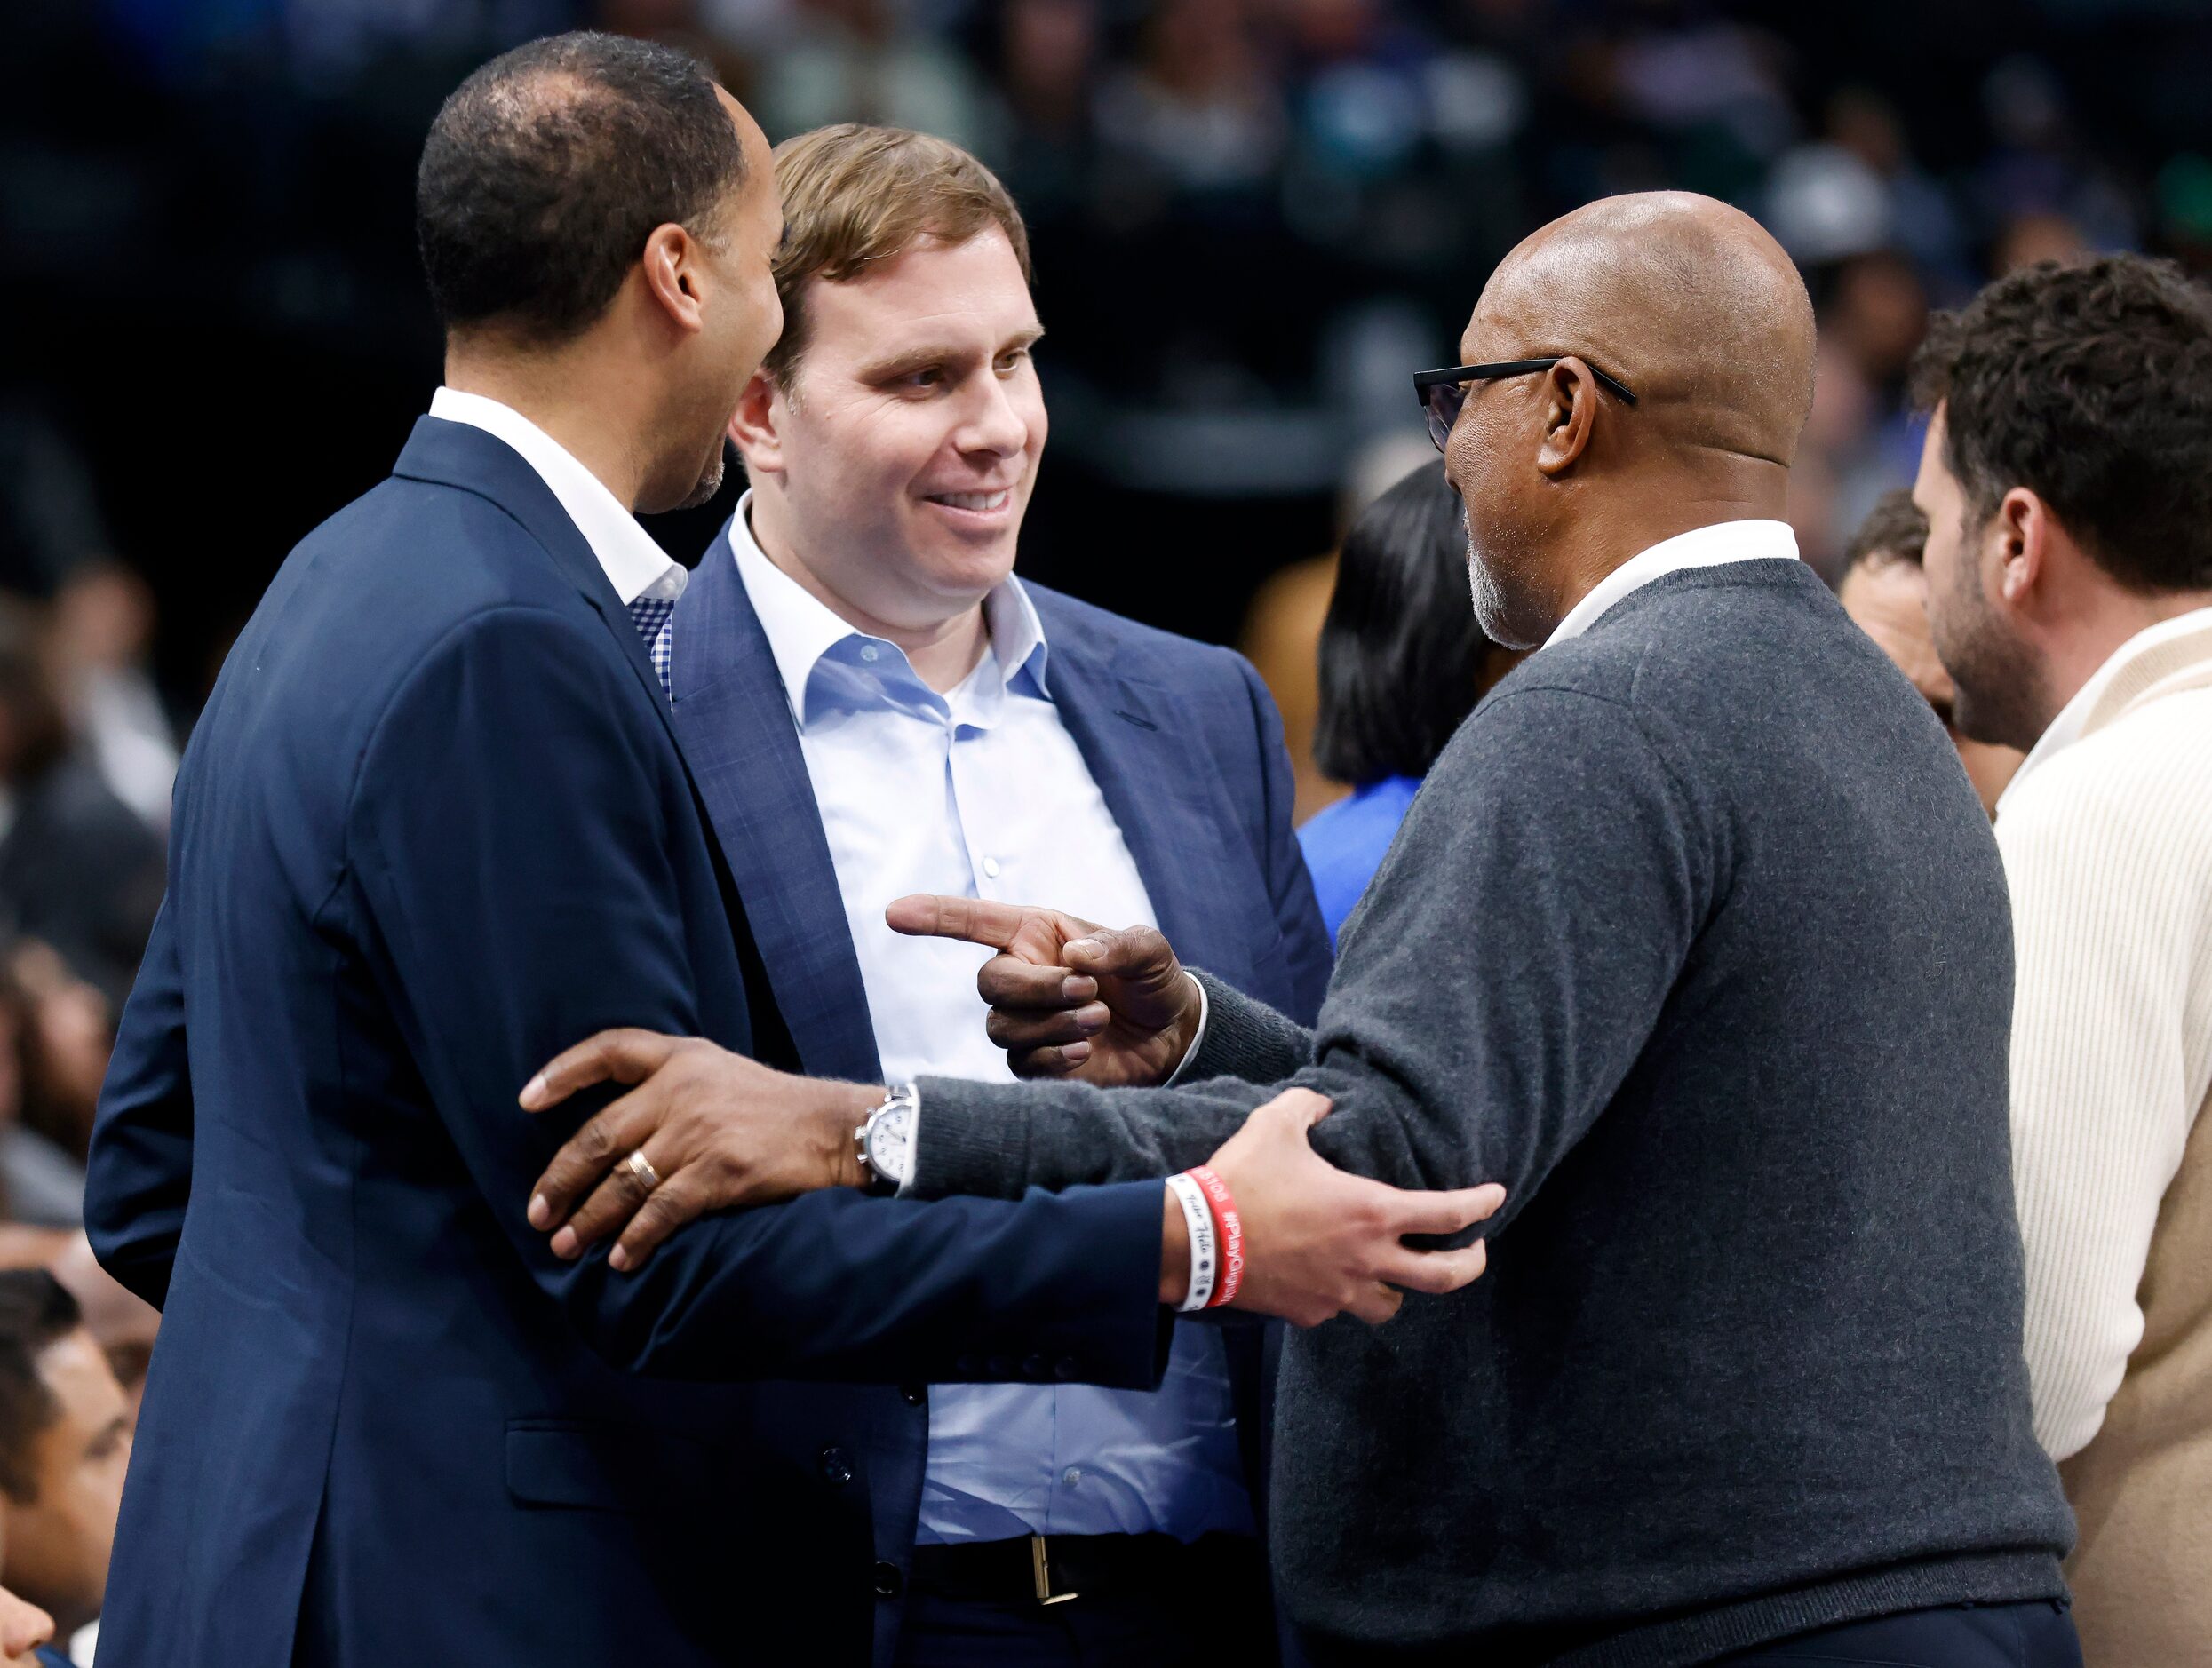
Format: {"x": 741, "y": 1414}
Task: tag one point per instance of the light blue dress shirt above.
{"x": 981, "y": 792}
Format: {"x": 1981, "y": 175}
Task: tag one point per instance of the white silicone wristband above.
{"x": 1205, "y": 1260}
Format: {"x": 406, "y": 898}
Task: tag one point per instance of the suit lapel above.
{"x": 1158, "y": 789}
{"x": 459, "y": 455}
{"x": 735, "y": 723}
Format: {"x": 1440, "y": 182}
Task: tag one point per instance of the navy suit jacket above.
{"x": 1186, "y": 750}
{"x": 434, "y": 826}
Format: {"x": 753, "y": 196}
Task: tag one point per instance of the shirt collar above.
{"x": 801, "y": 629}
{"x": 1701, "y": 547}
{"x": 633, "y": 564}
{"x": 2073, "y": 721}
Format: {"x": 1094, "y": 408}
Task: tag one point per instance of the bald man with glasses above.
{"x": 1696, "y": 938}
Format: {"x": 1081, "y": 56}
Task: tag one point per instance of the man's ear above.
{"x": 753, "y": 425}
{"x": 675, "y": 275}
{"x": 1571, "y": 411}
{"x": 2020, "y": 540}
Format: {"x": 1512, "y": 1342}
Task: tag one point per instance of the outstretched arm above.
{"x": 1509, "y": 965}
{"x": 1505, "y": 973}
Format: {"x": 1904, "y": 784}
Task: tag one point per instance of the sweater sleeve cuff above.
{"x": 1243, "y": 1039}
{"x": 970, "y": 1138}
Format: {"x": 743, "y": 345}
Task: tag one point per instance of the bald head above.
{"x": 1688, "y": 301}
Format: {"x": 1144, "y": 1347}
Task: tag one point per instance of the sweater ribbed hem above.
{"x": 1987, "y": 1578}
{"x": 1686, "y": 1641}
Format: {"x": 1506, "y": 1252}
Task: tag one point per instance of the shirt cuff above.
{"x": 1197, "y": 1037}
{"x": 913, "y": 1149}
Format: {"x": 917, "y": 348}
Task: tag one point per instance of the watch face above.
{"x": 891, "y": 1143}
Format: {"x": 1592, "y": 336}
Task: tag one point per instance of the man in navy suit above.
{"x": 434, "y": 822}
{"x": 874, "y": 705}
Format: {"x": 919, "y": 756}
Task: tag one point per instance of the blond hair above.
{"x": 853, "y": 194}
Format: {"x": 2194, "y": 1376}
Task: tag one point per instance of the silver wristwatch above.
{"x": 887, "y": 1139}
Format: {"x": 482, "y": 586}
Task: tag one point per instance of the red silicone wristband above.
{"x": 1230, "y": 1229}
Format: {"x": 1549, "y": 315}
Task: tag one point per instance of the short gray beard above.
{"x": 1504, "y": 617}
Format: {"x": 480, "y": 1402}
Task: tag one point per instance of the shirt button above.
{"x": 870, "y": 652}
{"x": 837, "y": 1468}
{"x": 991, "y": 868}
{"x": 1072, "y": 1475}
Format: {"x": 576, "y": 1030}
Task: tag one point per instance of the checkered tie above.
{"x": 651, "y": 615}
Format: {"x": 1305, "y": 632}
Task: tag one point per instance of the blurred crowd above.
{"x": 1251, "y": 220}
{"x": 86, "y": 756}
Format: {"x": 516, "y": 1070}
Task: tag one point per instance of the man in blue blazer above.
{"x": 873, "y": 705}
{"x": 434, "y": 823}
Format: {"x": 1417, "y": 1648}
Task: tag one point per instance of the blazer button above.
{"x": 1033, "y": 1367}
{"x": 1001, "y": 1367}
{"x": 1068, "y": 1367}
{"x": 965, "y": 1367}
{"x": 837, "y": 1466}
{"x": 889, "y": 1581}
{"x": 912, "y": 1394}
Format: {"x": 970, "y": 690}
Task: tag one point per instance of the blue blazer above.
{"x": 1186, "y": 750}
{"x": 434, "y": 826}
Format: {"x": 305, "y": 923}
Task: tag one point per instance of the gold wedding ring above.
{"x": 642, "y": 1170}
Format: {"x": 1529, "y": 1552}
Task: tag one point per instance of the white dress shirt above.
{"x": 634, "y": 565}
{"x": 981, "y": 792}
{"x": 1701, "y": 547}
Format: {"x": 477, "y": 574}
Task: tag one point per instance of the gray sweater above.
{"x": 1697, "y": 940}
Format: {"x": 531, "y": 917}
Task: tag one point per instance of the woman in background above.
{"x": 1402, "y": 662}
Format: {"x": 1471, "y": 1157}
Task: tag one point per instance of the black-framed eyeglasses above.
{"x": 1442, "y": 393}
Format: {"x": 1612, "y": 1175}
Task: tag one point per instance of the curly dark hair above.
{"x": 1401, "y": 658}
{"x": 549, "y": 167}
{"x": 2091, "y": 386}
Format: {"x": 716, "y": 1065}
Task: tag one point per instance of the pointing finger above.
{"x": 976, "y": 920}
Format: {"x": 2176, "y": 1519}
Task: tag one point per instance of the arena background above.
{"x": 1252, "y": 219}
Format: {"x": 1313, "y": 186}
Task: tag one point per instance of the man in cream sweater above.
{"x": 2067, "y": 483}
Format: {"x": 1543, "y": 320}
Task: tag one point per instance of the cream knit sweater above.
{"x": 2107, "y": 840}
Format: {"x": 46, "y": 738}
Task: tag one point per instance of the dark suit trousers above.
{"x": 1221, "y": 1613}
{"x": 2035, "y": 1635}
